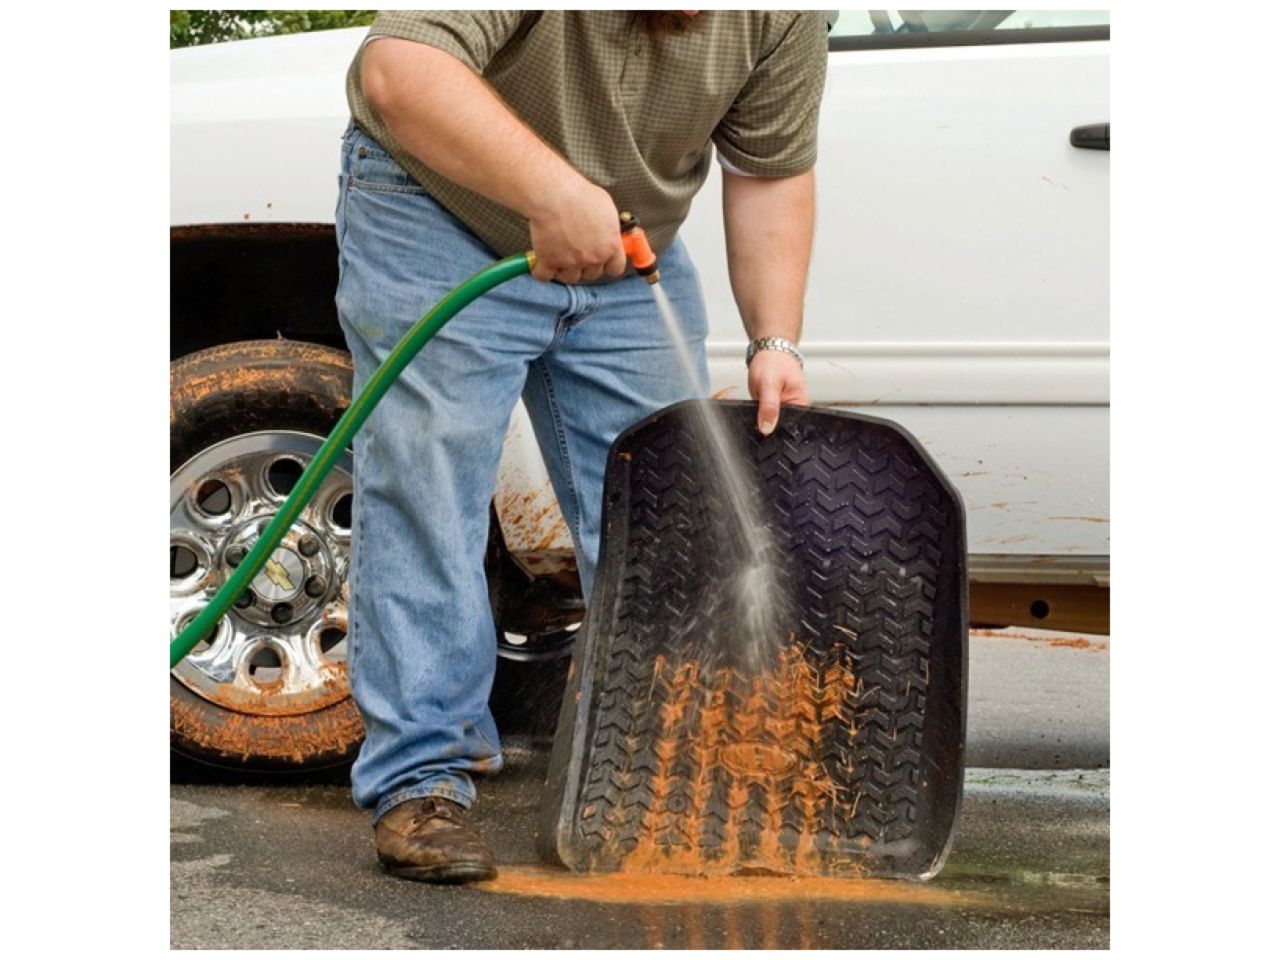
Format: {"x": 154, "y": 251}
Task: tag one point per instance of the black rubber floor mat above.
{"x": 844, "y": 754}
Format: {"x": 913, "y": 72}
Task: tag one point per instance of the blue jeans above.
{"x": 588, "y": 360}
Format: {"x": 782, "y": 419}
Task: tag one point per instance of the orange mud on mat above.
{"x": 765, "y": 743}
{"x": 538, "y": 881}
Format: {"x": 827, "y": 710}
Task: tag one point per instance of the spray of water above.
{"x": 754, "y": 594}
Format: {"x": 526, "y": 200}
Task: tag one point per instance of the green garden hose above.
{"x": 337, "y": 443}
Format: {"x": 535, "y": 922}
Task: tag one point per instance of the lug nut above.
{"x": 315, "y": 586}
{"x": 282, "y": 612}
{"x": 309, "y": 545}
{"x": 235, "y": 554}
{"x": 244, "y": 600}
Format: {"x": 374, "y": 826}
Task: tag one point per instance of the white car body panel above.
{"x": 960, "y": 276}
{"x": 255, "y": 127}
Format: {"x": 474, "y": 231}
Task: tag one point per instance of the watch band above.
{"x": 774, "y": 343}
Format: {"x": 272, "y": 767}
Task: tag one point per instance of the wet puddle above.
{"x": 538, "y": 881}
{"x": 982, "y": 907}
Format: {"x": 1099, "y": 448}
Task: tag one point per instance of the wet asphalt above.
{"x": 269, "y": 864}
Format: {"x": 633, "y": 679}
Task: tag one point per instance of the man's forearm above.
{"x": 446, "y": 116}
{"x": 768, "y": 225}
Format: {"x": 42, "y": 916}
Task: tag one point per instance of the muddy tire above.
{"x": 244, "y": 419}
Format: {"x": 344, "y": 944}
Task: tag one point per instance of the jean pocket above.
{"x": 373, "y": 168}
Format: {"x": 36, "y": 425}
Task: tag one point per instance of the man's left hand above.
{"x": 775, "y": 378}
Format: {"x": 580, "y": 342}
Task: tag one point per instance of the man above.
{"x": 480, "y": 134}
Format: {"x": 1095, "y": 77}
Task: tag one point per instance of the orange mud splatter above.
{"x": 761, "y": 734}
{"x": 1076, "y": 643}
{"x": 539, "y": 881}
{"x": 1071, "y": 643}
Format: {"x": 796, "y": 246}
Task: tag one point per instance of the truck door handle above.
{"x": 1092, "y": 136}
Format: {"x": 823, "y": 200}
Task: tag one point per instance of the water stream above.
{"x": 755, "y": 590}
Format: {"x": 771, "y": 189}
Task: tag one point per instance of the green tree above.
{"x": 188, "y": 28}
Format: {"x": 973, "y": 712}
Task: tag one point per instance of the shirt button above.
{"x": 362, "y": 153}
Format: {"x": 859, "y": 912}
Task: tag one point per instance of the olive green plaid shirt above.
{"x": 635, "y": 114}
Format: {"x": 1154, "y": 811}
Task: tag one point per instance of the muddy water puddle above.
{"x": 638, "y": 910}
{"x": 657, "y": 889}
{"x": 964, "y": 886}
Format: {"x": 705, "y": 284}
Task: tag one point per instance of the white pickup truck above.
{"x": 959, "y": 286}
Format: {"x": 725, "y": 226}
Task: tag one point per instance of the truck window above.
{"x": 880, "y": 29}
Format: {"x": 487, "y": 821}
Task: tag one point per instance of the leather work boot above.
{"x": 428, "y": 839}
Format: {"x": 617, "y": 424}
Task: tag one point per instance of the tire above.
{"x": 233, "y": 409}
{"x": 290, "y": 394}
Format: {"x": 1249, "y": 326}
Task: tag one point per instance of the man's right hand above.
{"x": 576, "y": 236}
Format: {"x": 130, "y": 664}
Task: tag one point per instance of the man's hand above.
{"x": 576, "y": 235}
{"x": 775, "y": 378}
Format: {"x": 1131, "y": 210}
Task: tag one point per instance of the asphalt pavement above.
{"x": 265, "y": 864}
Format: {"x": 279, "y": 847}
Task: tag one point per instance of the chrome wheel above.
{"x": 531, "y": 648}
{"x": 282, "y": 649}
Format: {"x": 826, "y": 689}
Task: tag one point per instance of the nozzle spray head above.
{"x": 637, "y": 248}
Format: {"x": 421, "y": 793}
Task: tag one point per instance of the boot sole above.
{"x": 446, "y": 873}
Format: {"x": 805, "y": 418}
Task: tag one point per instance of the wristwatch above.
{"x": 774, "y": 343}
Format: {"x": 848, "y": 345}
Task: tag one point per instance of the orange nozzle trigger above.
{"x": 636, "y": 246}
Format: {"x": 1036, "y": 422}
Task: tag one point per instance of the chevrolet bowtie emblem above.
{"x": 278, "y": 575}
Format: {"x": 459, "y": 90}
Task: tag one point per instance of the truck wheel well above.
{"x": 256, "y": 281}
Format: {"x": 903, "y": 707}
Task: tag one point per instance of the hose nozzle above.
{"x": 637, "y": 248}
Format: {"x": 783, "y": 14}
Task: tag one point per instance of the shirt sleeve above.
{"x": 771, "y": 130}
{"x": 473, "y": 36}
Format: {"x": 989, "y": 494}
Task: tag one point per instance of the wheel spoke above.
{"x": 216, "y": 659}
{"x": 329, "y": 636}
{"x": 195, "y": 548}
{"x": 256, "y": 478}
{"x": 331, "y": 507}
{"x": 303, "y": 668}
{"x": 216, "y": 500}
{"x": 182, "y": 605}
{"x": 219, "y": 661}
